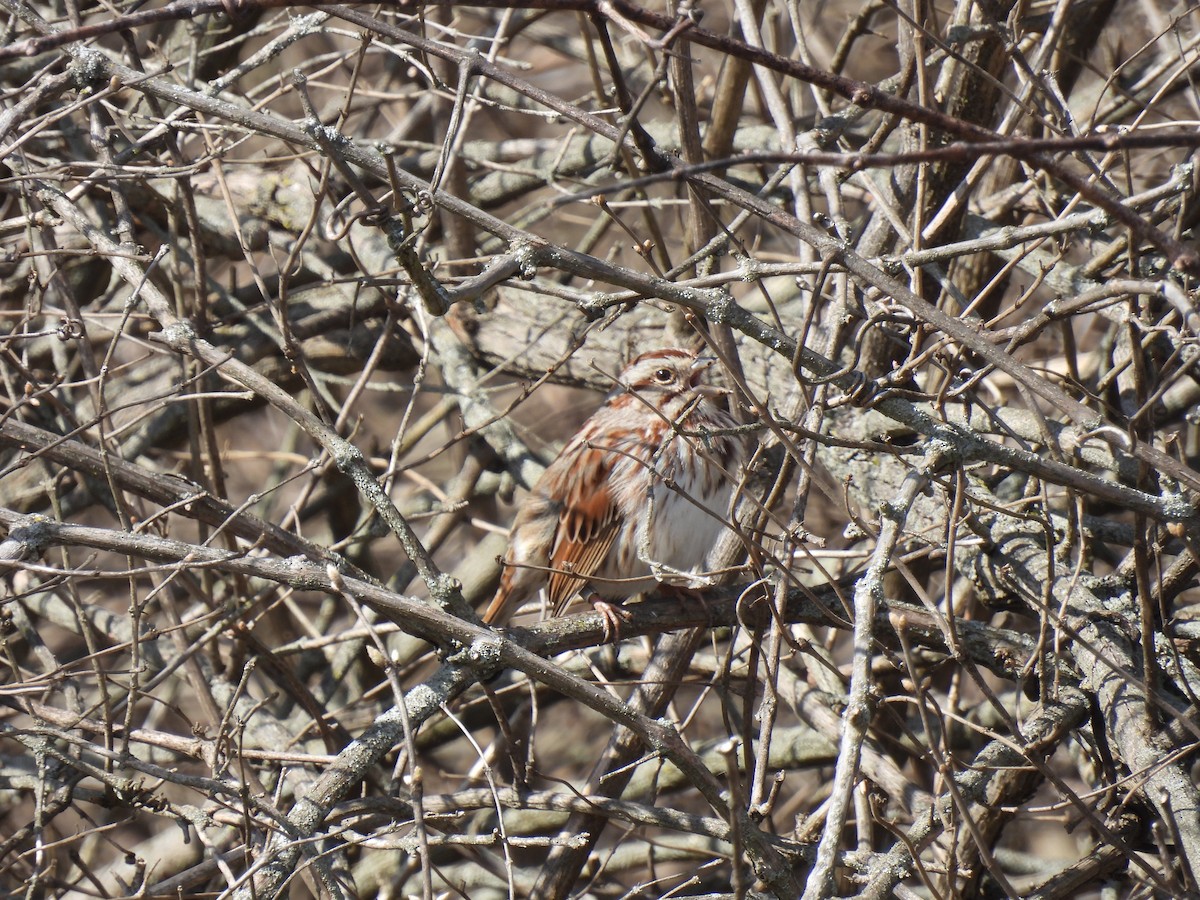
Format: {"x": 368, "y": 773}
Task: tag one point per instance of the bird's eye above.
{"x": 664, "y": 376}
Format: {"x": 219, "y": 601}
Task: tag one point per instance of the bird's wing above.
{"x": 587, "y": 525}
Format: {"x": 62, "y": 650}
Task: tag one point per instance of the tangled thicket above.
{"x": 297, "y": 302}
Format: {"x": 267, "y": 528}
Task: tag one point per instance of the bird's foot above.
{"x": 612, "y": 616}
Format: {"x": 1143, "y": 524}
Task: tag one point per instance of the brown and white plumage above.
{"x": 604, "y": 518}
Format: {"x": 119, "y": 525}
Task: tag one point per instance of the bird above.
{"x": 636, "y": 498}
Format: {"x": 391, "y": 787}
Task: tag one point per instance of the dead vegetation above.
{"x": 298, "y": 301}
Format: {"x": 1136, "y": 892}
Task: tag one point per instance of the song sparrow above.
{"x": 630, "y": 501}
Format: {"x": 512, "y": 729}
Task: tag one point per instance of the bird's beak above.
{"x": 699, "y": 367}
